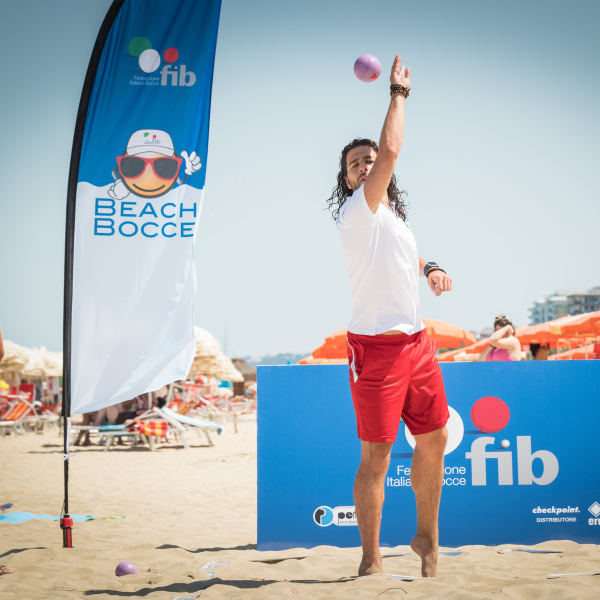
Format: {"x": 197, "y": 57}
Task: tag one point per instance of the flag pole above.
{"x": 66, "y": 522}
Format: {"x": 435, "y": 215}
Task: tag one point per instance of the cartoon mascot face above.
{"x": 150, "y": 165}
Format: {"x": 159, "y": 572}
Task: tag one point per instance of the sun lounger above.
{"x": 197, "y": 424}
{"x": 155, "y": 424}
{"x": 109, "y": 433}
{"x": 203, "y": 408}
{"x": 21, "y": 415}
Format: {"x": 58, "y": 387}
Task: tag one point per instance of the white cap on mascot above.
{"x": 150, "y": 140}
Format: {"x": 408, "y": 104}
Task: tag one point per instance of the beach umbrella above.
{"x": 206, "y": 343}
{"x": 334, "y": 346}
{"x": 215, "y": 366}
{"x": 209, "y": 359}
{"x": 53, "y": 362}
{"x": 35, "y": 365}
{"x": 15, "y": 357}
{"x": 248, "y": 372}
{"x": 580, "y": 353}
{"x": 448, "y": 336}
{"x": 540, "y": 333}
{"x": 587, "y": 324}
{"x": 31, "y": 362}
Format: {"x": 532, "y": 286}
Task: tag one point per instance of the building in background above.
{"x": 561, "y": 304}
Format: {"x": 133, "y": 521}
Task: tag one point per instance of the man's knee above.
{"x": 434, "y": 442}
{"x": 376, "y": 456}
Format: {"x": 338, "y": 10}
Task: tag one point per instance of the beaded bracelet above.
{"x": 396, "y": 88}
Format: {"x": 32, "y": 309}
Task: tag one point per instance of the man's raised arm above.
{"x": 390, "y": 141}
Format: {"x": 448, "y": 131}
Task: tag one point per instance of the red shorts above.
{"x": 393, "y": 377}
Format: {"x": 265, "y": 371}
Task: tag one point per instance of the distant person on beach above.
{"x": 1, "y": 347}
{"x": 108, "y": 415}
{"x": 393, "y": 369}
{"x": 83, "y": 437}
{"x": 539, "y": 351}
{"x": 503, "y": 343}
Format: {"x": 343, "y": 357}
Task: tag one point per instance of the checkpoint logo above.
{"x": 490, "y": 415}
{"x": 340, "y": 515}
{"x": 150, "y": 60}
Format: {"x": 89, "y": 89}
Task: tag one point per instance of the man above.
{"x": 393, "y": 370}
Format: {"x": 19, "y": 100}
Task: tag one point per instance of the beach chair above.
{"x": 189, "y": 423}
{"x": 154, "y": 424}
{"x": 205, "y": 408}
{"x": 5, "y": 405}
{"x": 109, "y": 433}
{"x": 241, "y": 409}
{"x": 236, "y": 409}
{"x": 20, "y": 415}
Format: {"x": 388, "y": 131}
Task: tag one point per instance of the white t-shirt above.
{"x": 383, "y": 268}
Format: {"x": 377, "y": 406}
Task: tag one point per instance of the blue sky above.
{"x": 500, "y": 158}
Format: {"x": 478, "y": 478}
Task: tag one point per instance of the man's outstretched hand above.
{"x": 439, "y": 282}
{"x": 400, "y": 75}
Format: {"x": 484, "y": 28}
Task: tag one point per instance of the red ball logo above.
{"x": 490, "y": 414}
{"x": 171, "y": 55}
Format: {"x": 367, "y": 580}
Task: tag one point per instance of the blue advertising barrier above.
{"x": 522, "y": 463}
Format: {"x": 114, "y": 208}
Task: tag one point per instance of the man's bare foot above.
{"x": 369, "y": 567}
{"x": 428, "y": 551}
{"x": 4, "y": 570}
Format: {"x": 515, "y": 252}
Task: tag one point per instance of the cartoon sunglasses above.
{"x": 164, "y": 167}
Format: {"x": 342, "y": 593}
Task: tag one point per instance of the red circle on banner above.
{"x": 171, "y": 55}
{"x": 490, "y": 414}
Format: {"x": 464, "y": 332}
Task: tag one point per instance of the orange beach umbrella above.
{"x": 334, "y": 347}
{"x": 580, "y": 353}
{"x": 587, "y": 324}
{"x": 447, "y": 335}
{"x": 540, "y": 333}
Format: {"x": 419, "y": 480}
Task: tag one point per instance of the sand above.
{"x": 184, "y": 509}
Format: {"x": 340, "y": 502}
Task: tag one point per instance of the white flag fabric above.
{"x": 133, "y": 327}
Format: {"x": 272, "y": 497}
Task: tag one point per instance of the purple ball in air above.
{"x": 125, "y": 568}
{"x": 367, "y": 68}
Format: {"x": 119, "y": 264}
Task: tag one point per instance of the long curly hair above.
{"x": 341, "y": 191}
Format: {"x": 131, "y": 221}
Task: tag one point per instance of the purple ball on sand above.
{"x": 367, "y": 68}
{"x": 125, "y": 568}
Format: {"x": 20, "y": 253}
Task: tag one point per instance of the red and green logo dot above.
{"x": 148, "y": 58}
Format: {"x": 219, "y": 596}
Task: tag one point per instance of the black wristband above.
{"x": 432, "y": 270}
